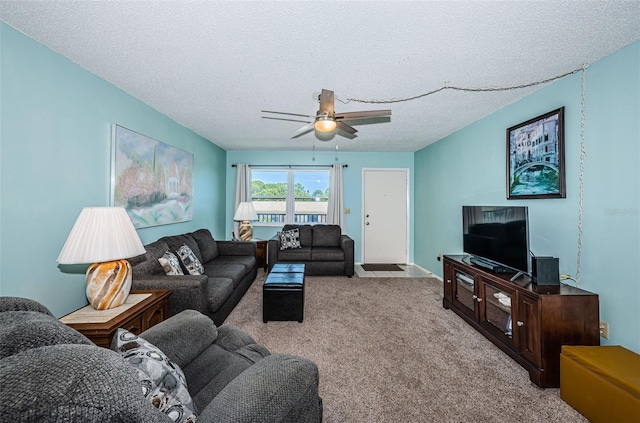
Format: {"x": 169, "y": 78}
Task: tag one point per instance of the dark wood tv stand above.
{"x": 527, "y": 322}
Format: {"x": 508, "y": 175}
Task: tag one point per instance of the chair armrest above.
{"x": 237, "y": 248}
{"x": 183, "y": 337}
{"x": 187, "y": 291}
{"x": 278, "y": 388}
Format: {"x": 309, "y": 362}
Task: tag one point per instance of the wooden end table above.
{"x": 261, "y": 253}
{"x": 141, "y": 310}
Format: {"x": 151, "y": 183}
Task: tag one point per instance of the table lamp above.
{"x": 103, "y": 236}
{"x": 245, "y": 214}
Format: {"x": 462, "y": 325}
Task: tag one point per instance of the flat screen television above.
{"x": 497, "y": 238}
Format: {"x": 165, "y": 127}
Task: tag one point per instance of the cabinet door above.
{"x": 449, "y": 276}
{"x": 153, "y": 315}
{"x": 496, "y": 310}
{"x": 528, "y": 327}
{"x": 464, "y": 292}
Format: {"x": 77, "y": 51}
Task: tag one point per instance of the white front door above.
{"x": 385, "y": 219}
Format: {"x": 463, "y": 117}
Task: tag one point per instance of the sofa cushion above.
{"x": 289, "y": 239}
{"x": 216, "y": 269}
{"x": 189, "y": 260}
{"x": 170, "y": 264}
{"x": 207, "y": 245}
{"x": 327, "y": 254}
{"x": 176, "y": 241}
{"x": 298, "y": 254}
{"x": 305, "y": 233}
{"x": 326, "y": 235}
{"x": 24, "y": 330}
{"x": 217, "y": 290}
{"x": 163, "y": 382}
{"x": 150, "y": 264}
{"x": 249, "y": 262}
{"x": 233, "y": 352}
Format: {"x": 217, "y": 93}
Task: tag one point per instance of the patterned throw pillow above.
{"x": 163, "y": 382}
{"x": 170, "y": 264}
{"x": 289, "y": 239}
{"x": 190, "y": 261}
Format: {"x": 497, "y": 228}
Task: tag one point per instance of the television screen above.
{"x": 497, "y": 235}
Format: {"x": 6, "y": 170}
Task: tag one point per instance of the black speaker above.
{"x": 545, "y": 270}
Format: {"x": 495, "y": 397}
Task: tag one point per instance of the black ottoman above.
{"x": 283, "y": 293}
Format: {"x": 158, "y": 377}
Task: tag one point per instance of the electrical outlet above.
{"x": 347, "y": 211}
{"x": 604, "y": 330}
{"x": 440, "y": 257}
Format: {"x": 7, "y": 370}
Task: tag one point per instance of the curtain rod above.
{"x": 289, "y": 166}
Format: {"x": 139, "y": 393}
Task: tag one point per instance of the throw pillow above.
{"x": 289, "y": 239}
{"x": 170, "y": 264}
{"x": 190, "y": 261}
{"x": 163, "y": 382}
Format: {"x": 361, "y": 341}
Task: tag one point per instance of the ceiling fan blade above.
{"x": 326, "y": 102}
{"x": 308, "y": 127}
{"x": 363, "y": 114}
{"x": 284, "y": 113}
{"x": 289, "y": 120}
{"x": 346, "y": 128}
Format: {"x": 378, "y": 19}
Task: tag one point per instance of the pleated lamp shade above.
{"x": 103, "y": 236}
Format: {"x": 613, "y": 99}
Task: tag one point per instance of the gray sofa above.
{"x": 230, "y": 268}
{"x": 323, "y": 249}
{"x": 52, "y": 373}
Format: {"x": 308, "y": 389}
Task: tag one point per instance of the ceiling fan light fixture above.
{"x": 325, "y": 123}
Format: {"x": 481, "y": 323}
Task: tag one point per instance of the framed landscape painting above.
{"x": 152, "y": 180}
{"x": 535, "y": 157}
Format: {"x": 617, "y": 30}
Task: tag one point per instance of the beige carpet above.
{"x": 388, "y": 352}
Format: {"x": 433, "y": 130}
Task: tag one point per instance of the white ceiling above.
{"x": 213, "y": 65}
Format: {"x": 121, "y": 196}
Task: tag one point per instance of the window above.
{"x": 290, "y": 195}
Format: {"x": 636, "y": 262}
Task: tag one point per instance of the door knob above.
{"x": 367, "y": 216}
{"x": 367, "y": 223}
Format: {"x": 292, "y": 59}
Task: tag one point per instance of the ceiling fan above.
{"x": 326, "y": 119}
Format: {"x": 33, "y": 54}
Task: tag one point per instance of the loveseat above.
{"x": 322, "y": 248}
{"x": 228, "y": 269}
{"x": 52, "y": 373}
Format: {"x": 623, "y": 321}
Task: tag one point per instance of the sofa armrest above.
{"x": 273, "y": 246}
{"x": 183, "y": 337}
{"x": 187, "y": 291}
{"x": 237, "y": 248}
{"x": 347, "y": 245}
{"x": 278, "y": 388}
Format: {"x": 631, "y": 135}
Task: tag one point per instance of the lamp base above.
{"x": 108, "y": 284}
{"x": 246, "y": 231}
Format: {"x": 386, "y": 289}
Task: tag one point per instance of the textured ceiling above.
{"x": 213, "y": 65}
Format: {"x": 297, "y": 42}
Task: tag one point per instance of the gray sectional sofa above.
{"x": 230, "y": 268}
{"x": 52, "y": 373}
{"x": 322, "y": 248}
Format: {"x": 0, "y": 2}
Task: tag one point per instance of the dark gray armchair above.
{"x": 52, "y": 373}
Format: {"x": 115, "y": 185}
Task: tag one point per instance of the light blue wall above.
{"x": 55, "y": 159}
{"x": 469, "y": 167}
{"x": 352, "y": 176}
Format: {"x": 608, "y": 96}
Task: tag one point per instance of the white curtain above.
{"x": 243, "y": 191}
{"x": 335, "y": 212}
